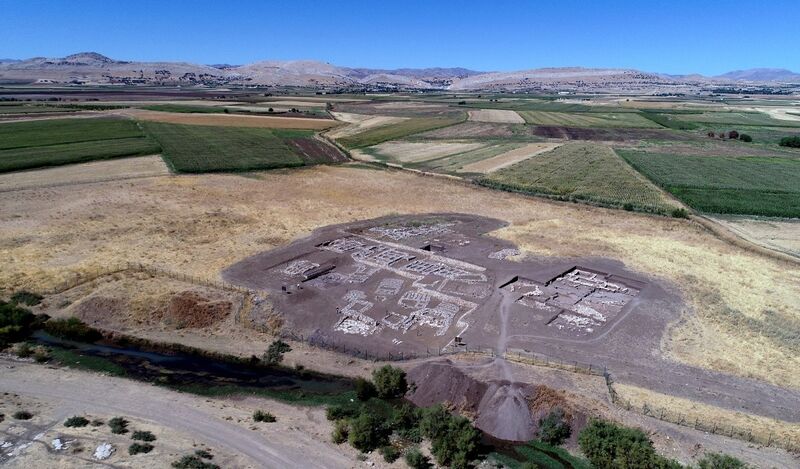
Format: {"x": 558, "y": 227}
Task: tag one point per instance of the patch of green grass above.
{"x": 34, "y": 144}
{"x": 402, "y": 129}
{"x": 185, "y": 108}
{"x": 90, "y": 363}
{"x": 289, "y": 396}
{"x": 32, "y": 109}
{"x": 767, "y": 186}
{"x": 540, "y": 455}
{"x": 201, "y": 148}
{"x": 668, "y": 120}
{"x": 588, "y": 119}
{"x": 581, "y": 172}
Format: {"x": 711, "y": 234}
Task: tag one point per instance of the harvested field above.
{"x": 405, "y": 128}
{"x": 470, "y": 130}
{"x": 780, "y": 234}
{"x": 199, "y": 148}
{"x": 500, "y": 116}
{"x": 47, "y": 234}
{"x": 360, "y": 123}
{"x": 607, "y": 134}
{"x": 121, "y": 168}
{"x": 588, "y": 119}
{"x": 454, "y": 163}
{"x": 582, "y": 172}
{"x": 415, "y": 152}
{"x": 232, "y": 120}
{"x": 315, "y": 151}
{"x": 737, "y": 118}
{"x": 508, "y": 158}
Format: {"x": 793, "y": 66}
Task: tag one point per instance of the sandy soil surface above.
{"x": 230, "y": 120}
{"x": 780, "y": 234}
{"x": 182, "y": 423}
{"x": 97, "y": 171}
{"x": 508, "y": 158}
{"x": 202, "y": 224}
{"x": 784, "y": 114}
{"x": 414, "y": 152}
{"x": 499, "y": 116}
{"x": 359, "y": 123}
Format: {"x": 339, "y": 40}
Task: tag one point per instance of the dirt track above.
{"x": 183, "y": 412}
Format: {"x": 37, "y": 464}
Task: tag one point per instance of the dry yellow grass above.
{"x": 508, "y": 158}
{"x": 675, "y": 409}
{"x": 414, "y": 152}
{"x": 498, "y": 116}
{"x": 359, "y": 123}
{"x": 232, "y": 120}
{"x": 201, "y": 224}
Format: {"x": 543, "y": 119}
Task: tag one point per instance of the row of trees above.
{"x": 733, "y": 135}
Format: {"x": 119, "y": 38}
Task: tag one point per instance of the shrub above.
{"x": 137, "y": 448}
{"x": 405, "y": 418}
{"x": 98, "y": 423}
{"x": 23, "y": 350}
{"x": 76, "y": 421}
{"x": 72, "y": 329}
{"x": 416, "y": 460}
{"x": 454, "y": 441}
{"x": 365, "y": 389}
{"x": 343, "y": 411}
{"x": 679, "y": 213}
{"x": 720, "y": 461}
{"x": 118, "y": 425}
{"x": 390, "y": 453}
{"x": 390, "y": 382}
{"x": 745, "y": 138}
{"x": 193, "y": 462}
{"x": 340, "y": 432}
{"x": 554, "y": 428}
{"x": 274, "y": 354}
{"x": 792, "y": 142}
{"x": 41, "y": 354}
{"x": 142, "y": 435}
{"x": 367, "y": 432}
{"x": 26, "y": 298}
{"x": 203, "y": 454}
{"x": 608, "y": 445}
{"x": 733, "y": 134}
{"x": 16, "y": 323}
{"x": 22, "y": 415}
{"x": 261, "y": 416}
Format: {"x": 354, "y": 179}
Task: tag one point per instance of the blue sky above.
{"x": 662, "y": 36}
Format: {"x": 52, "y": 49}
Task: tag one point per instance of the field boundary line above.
{"x": 723, "y": 233}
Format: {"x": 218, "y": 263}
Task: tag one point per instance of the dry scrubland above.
{"x": 746, "y": 306}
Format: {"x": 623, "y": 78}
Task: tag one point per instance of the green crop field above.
{"x": 588, "y": 119}
{"x": 735, "y": 118}
{"x": 402, "y": 129}
{"x": 34, "y": 144}
{"x": 579, "y": 171}
{"x": 188, "y": 108}
{"x": 740, "y": 185}
{"x": 202, "y": 148}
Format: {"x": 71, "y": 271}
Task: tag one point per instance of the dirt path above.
{"x": 182, "y": 412}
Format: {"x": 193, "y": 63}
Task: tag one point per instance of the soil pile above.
{"x": 193, "y": 310}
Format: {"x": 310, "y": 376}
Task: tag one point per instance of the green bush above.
{"x": 22, "y": 415}
{"x": 137, "y": 448}
{"x": 390, "y": 382}
{"x": 203, "y": 454}
{"x": 554, "y": 428}
{"x": 611, "y": 446}
{"x": 23, "y": 350}
{"x": 679, "y": 213}
{"x": 274, "y": 354}
{"x": 193, "y": 462}
{"x": 720, "y": 461}
{"x": 342, "y": 411}
{"x": 76, "y": 421}
{"x": 416, "y": 460}
{"x": 72, "y": 329}
{"x": 341, "y": 430}
{"x": 261, "y": 416}
{"x": 118, "y": 425}
{"x": 143, "y": 435}
{"x": 365, "y": 390}
{"x": 98, "y": 423}
{"x": 41, "y": 354}
{"x": 454, "y": 441}
{"x": 390, "y": 453}
{"x": 745, "y": 138}
{"x": 16, "y": 323}
{"x": 792, "y": 142}
{"x": 367, "y": 432}
{"x": 26, "y": 298}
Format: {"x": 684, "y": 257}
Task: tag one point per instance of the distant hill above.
{"x": 95, "y": 68}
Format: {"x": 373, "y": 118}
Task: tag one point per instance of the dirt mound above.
{"x": 99, "y": 309}
{"x": 504, "y": 412}
{"x": 442, "y": 382}
{"x": 192, "y": 309}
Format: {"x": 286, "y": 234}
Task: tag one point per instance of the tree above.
{"x": 611, "y": 446}
{"x": 745, "y": 138}
{"x": 416, "y": 460}
{"x": 274, "y": 354}
{"x": 733, "y": 134}
{"x": 720, "y": 461}
{"x": 367, "y": 432}
{"x": 390, "y": 382}
{"x": 454, "y": 441}
{"x": 792, "y": 142}
{"x": 554, "y": 428}
{"x": 365, "y": 389}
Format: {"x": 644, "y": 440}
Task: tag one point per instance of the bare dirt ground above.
{"x": 413, "y": 152}
{"x": 359, "y": 123}
{"x": 500, "y": 116}
{"x": 98, "y": 171}
{"x": 782, "y": 235}
{"x": 182, "y": 422}
{"x": 230, "y": 120}
{"x": 201, "y": 224}
{"x": 508, "y": 158}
